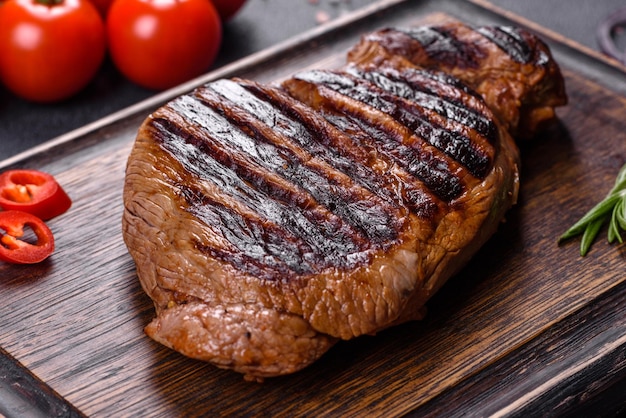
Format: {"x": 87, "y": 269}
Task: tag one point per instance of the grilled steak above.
{"x": 268, "y": 222}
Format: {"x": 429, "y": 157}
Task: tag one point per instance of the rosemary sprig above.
{"x": 612, "y": 209}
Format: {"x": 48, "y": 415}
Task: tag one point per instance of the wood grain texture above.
{"x": 553, "y": 371}
{"x": 525, "y": 322}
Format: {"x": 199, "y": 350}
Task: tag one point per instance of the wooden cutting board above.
{"x": 526, "y": 327}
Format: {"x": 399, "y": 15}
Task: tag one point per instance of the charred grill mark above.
{"x": 351, "y": 155}
{"x": 435, "y": 91}
{"x": 441, "y": 45}
{"x": 510, "y": 41}
{"x": 279, "y": 113}
{"x": 431, "y": 81}
{"x": 374, "y": 218}
{"x": 265, "y": 249}
{"x": 436, "y": 174}
{"x": 449, "y": 138}
{"x": 439, "y": 173}
{"x": 278, "y": 236}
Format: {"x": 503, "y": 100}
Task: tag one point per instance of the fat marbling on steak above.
{"x": 268, "y": 222}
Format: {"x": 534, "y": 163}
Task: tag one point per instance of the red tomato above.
{"x": 227, "y": 8}
{"x": 102, "y": 6}
{"x": 15, "y": 250}
{"x": 33, "y": 191}
{"x": 49, "y": 50}
{"x": 161, "y": 43}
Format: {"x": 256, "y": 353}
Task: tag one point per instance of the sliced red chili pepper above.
{"x": 15, "y": 250}
{"x": 34, "y": 192}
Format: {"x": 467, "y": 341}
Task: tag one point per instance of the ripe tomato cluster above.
{"x": 51, "y": 49}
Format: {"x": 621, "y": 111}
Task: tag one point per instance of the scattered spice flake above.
{"x": 322, "y": 17}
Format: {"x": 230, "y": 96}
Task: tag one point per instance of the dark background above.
{"x": 260, "y": 24}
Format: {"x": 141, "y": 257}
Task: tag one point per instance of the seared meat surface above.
{"x": 509, "y": 67}
{"x": 268, "y": 222}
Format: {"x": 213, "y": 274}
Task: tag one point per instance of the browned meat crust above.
{"x": 512, "y": 69}
{"x": 269, "y": 222}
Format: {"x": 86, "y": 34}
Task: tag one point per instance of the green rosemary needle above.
{"x": 612, "y": 209}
